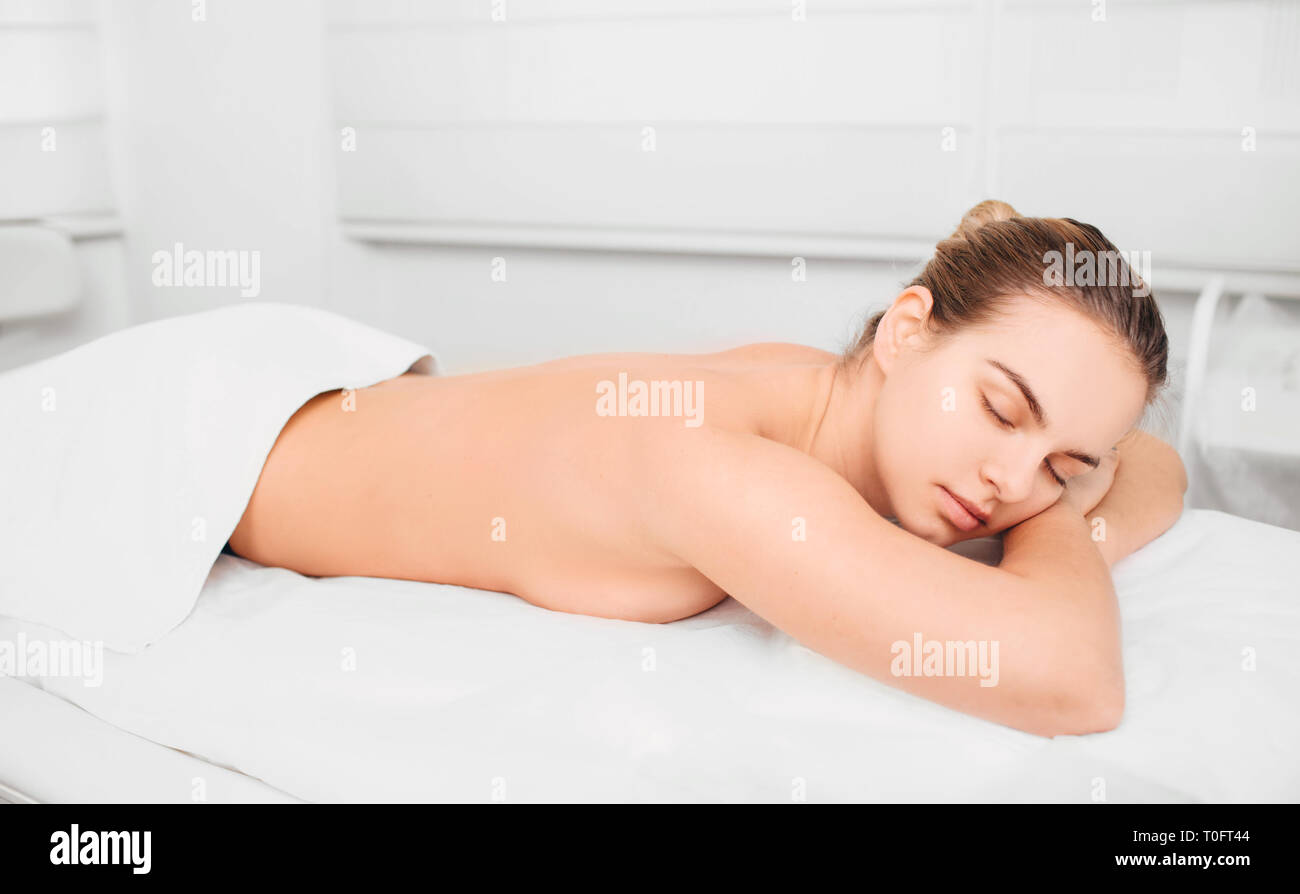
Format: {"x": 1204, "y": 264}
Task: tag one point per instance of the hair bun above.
{"x": 985, "y": 212}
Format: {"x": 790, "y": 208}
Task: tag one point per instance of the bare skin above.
{"x": 779, "y": 497}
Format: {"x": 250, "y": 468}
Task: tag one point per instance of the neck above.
{"x": 833, "y": 421}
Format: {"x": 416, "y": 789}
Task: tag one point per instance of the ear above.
{"x": 903, "y": 324}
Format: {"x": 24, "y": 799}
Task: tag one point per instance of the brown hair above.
{"x": 995, "y": 254}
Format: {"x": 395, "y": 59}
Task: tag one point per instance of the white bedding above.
{"x": 53, "y": 752}
{"x": 467, "y": 695}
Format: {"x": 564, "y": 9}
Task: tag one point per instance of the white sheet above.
{"x": 127, "y": 462}
{"x": 467, "y": 695}
{"x": 54, "y": 752}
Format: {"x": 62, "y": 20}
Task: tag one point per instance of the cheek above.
{"x": 921, "y": 449}
{"x": 917, "y": 439}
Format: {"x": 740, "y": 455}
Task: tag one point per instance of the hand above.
{"x": 1084, "y": 492}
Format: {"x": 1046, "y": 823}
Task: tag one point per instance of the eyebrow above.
{"x": 1037, "y": 409}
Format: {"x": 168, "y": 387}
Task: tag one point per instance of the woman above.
{"x": 987, "y": 398}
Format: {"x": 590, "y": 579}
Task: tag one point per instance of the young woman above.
{"x": 988, "y": 398}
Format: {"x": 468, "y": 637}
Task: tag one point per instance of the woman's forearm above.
{"x": 1055, "y": 546}
{"x": 1054, "y": 550}
{"x": 1144, "y": 501}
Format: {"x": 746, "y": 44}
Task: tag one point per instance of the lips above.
{"x": 959, "y": 512}
{"x": 971, "y": 508}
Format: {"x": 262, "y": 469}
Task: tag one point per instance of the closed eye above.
{"x": 1006, "y": 423}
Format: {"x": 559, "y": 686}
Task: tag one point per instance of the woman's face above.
{"x": 934, "y": 432}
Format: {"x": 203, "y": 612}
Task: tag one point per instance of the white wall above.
{"x": 220, "y": 138}
{"x": 54, "y": 170}
{"x": 826, "y": 127}
{"x": 52, "y": 141}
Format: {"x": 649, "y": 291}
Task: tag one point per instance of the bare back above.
{"x": 516, "y": 480}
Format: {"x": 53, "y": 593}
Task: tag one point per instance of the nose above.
{"x": 1012, "y": 477}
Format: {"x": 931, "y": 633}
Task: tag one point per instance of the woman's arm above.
{"x": 1145, "y": 499}
{"x": 789, "y": 538}
{"x": 1056, "y": 545}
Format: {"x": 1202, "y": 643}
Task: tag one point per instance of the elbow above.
{"x": 1099, "y": 714}
{"x": 1165, "y": 458}
{"x": 1075, "y": 709}
{"x": 1103, "y": 715}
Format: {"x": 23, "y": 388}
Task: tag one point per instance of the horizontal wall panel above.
{"x": 49, "y": 73}
{"x": 408, "y": 12}
{"x": 829, "y": 181}
{"x": 900, "y": 69}
{"x": 1194, "y": 200}
{"x": 1180, "y": 66}
{"x": 674, "y": 241}
{"x": 821, "y": 132}
{"x": 72, "y": 179}
{"x": 53, "y": 146}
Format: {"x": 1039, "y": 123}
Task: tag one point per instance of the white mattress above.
{"x": 467, "y": 695}
{"x": 54, "y": 752}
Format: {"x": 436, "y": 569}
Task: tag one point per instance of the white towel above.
{"x": 127, "y": 462}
